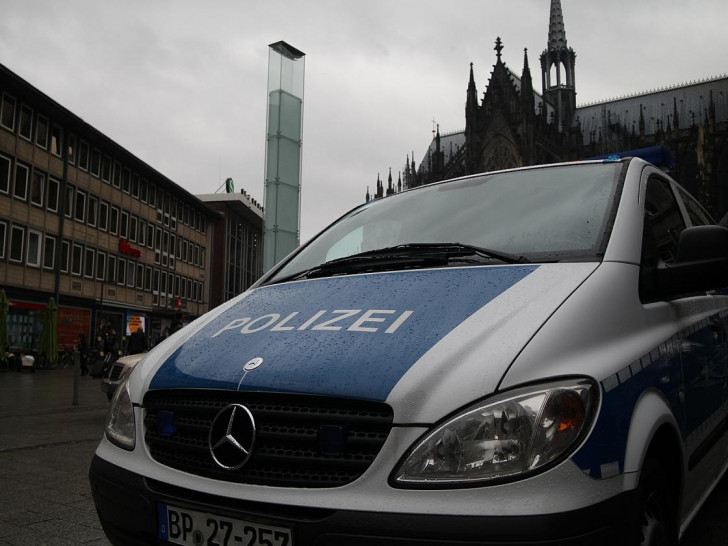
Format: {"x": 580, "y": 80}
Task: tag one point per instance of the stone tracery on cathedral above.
{"x": 513, "y": 125}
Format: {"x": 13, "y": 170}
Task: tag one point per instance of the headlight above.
{"x": 507, "y": 437}
{"x": 120, "y": 420}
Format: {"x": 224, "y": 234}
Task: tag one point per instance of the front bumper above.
{"x": 126, "y": 504}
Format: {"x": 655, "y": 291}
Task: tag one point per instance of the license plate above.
{"x": 192, "y": 528}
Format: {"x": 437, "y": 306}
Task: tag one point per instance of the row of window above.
{"x": 49, "y": 136}
{"x": 84, "y": 207}
{"x": 36, "y": 249}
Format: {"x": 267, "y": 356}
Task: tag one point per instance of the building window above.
{"x": 3, "y": 235}
{"x": 126, "y": 181}
{"x": 163, "y": 284}
{"x": 144, "y": 190}
{"x": 111, "y": 268}
{"x": 76, "y": 258}
{"x": 65, "y": 246}
{"x": 114, "y": 220}
{"x": 104, "y": 216}
{"x": 148, "y": 279}
{"x": 21, "y": 182}
{"x": 54, "y": 187}
{"x": 152, "y": 196}
{"x": 135, "y": 185}
{"x": 49, "y": 252}
{"x": 150, "y": 235}
{"x": 88, "y": 270}
{"x": 133, "y": 228}
{"x": 56, "y": 140}
{"x": 17, "y": 240}
{"x": 124, "y": 228}
{"x": 117, "y": 175}
{"x": 37, "y": 187}
{"x": 196, "y": 256}
{"x": 25, "y": 127}
{"x": 69, "y": 201}
{"x": 106, "y": 169}
{"x": 142, "y": 232}
{"x": 93, "y": 208}
{"x": 95, "y": 162}
{"x": 34, "y": 248}
{"x": 72, "y": 149}
{"x": 130, "y": 268}
{"x": 4, "y": 174}
{"x": 83, "y": 156}
{"x": 101, "y": 266}
{"x": 155, "y": 281}
{"x": 121, "y": 271}
{"x": 140, "y": 277}
{"x": 80, "y": 206}
{"x": 7, "y": 112}
{"x": 41, "y": 132}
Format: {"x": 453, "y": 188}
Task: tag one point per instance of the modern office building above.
{"x": 237, "y": 252}
{"x": 115, "y": 242}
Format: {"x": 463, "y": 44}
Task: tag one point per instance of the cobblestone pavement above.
{"x": 46, "y": 445}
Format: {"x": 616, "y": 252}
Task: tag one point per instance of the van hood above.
{"x": 374, "y": 336}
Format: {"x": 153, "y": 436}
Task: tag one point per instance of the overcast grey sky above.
{"x": 182, "y": 84}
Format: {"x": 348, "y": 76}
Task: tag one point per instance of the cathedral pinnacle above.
{"x": 557, "y": 32}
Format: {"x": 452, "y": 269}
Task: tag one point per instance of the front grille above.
{"x": 115, "y": 373}
{"x": 288, "y": 448}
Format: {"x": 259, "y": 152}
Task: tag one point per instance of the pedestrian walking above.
{"x": 137, "y": 342}
{"x": 177, "y": 324}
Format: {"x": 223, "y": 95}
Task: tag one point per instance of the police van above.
{"x": 532, "y": 356}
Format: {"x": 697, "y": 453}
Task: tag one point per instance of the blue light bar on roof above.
{"x": 659, "y": 156}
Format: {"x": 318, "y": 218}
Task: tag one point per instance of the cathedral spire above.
{"x": 498, "y": 48}
{"x": 557, "y": 32}
{"x": 527, "y": 94}
{"x": 558, "y": 63}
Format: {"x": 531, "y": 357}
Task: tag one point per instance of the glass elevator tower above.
{"x": 286, "y": 67}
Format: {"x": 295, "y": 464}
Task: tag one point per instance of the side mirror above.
{"x": 701, "y": 262}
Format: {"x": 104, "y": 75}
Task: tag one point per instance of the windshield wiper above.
{"x": 407, "y": 256}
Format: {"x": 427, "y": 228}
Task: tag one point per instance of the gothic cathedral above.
{"x": 513, "y": 125}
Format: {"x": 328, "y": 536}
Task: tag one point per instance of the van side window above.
{"x": 663, "y": 224}
{"x": 696, "y": 213}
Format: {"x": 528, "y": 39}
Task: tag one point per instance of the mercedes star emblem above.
{"x": 232, "y": 436}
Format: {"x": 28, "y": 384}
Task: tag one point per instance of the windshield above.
{"x": 545, "y": 214}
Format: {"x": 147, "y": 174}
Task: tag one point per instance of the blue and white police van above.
{"x": 533, "y": 356}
